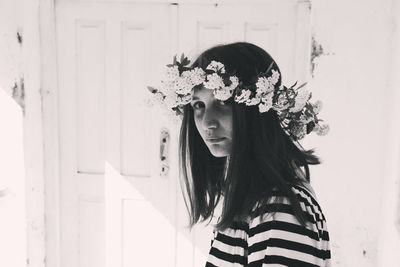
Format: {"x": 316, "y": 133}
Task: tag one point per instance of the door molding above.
{"x": 50, "y": 126}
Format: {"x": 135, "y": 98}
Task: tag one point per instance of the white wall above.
{"x": 10, "y": 48}
{"x": 20, "y": 69}
{"x": 13, "y": 239}
{"x": 358, "y": 181}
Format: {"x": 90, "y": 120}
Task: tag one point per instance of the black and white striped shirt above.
{"x": 275, "y": 239}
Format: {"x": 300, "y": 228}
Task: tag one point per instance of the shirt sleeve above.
{"x": 276, "y": 238}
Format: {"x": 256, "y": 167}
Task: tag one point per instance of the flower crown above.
{"x": 298, "y": 116}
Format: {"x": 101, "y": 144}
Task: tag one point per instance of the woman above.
{"x": 239, "y": 150}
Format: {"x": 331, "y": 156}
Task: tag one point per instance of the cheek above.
{"x": 227, "y": 122}
{"x": 197, "y": 124}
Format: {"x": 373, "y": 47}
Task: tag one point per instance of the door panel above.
{"x": 272, "y": 25}
{"x": 89, "y": 96}
{"x": 134, "y": 67}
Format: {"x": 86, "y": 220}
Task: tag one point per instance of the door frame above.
{"x": 41, "y": 133}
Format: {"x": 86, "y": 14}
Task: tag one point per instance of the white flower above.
{"x": 264, "y": 85}
{"x": 267, "y": 97}
{"x": 158, "y": 97}
{"x": 222, "y": 93}
{"x": 321, "y": 129}
{"x": 215, "y": 66}
{"x": 234, "y": 84}
{"x": 183, "y": 85}
{"x": 317, "y": 106}
{"x": 171, "y": 73}
{"x": 155, "y": 99}
{"x": 274, "y": 78}
{"x": 265, "y": 106}
{"x": 187, "y": 74}
{"x": 196, "y": 76}
{"x": 214, "y": 81}
{"x": 167, "y": 87}
{"x": 226, "y": 92}
{"x": 253, "y": 101}
{"x": 243, "y": 96}
{"x": 300, "y": 102}
{"x": 186, "y": 99}
{"x": 171, "y": 100}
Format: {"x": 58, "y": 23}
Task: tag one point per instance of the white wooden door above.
{"x": 106, "y": 54}
{"x": 120, "y": 203}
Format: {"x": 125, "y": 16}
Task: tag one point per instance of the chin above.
{"x": 219, "y": 153}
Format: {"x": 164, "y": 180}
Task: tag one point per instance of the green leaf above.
{"x": 309, "y": 97}
{"x": 301, "y": 86}
{"x": 184, "y": 60}
{"x": 270, "y": 67}
{"x": 152, "y": 89}
{"x": 294, "y": 85}
{"x": 310, "y": 126}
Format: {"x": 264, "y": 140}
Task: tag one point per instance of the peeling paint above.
{"x": 19, "y": 37}
{"x": 309, "y": 4}
{"x": 18, "y": 93}
{"x": 316, "y": 51}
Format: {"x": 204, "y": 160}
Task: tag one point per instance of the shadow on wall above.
{"x": 12, "y": 184}
{"x": 139, "y": 217}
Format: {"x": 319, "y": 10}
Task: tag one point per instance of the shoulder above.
{"x": 275, "y": 233}
{"x": 279, "y": 208}
{"x": 308, "y": 201}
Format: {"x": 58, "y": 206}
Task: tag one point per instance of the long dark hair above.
{"x": 263, "y": 158}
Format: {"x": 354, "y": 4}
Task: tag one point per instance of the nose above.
{"x": 210, "y": 119}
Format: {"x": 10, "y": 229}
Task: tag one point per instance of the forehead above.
{"x": 203, "y": 94}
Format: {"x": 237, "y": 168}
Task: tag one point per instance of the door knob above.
{"x": 164, "y": 152}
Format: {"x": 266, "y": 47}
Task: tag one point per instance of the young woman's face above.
{"x": 213, "y": 121}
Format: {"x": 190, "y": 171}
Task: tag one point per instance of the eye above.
{"x": 197, "y": 105}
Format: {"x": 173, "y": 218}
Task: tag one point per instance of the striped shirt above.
{"x": 275, "y": 239}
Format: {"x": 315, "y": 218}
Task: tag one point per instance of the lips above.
{"x": 215, "y": 140}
